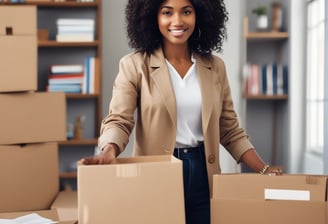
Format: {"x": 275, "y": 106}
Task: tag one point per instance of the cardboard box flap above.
{"x": 18, "y": 20}
{"x": 253, "y": 186}
{"x": 66, "y": 205}
{"x": 147, "y": 159}
{"x": 29, "y": 176}
{"x": 131, "y": 166}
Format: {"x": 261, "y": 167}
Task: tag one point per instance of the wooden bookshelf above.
{"x": 265, "y": 115}
{"x": 267, "y": 35}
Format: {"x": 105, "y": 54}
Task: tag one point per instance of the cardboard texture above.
{"x": 18, "y": 44}
{"x": 29, "y": 176}
{"x": 32, "y": 117}
{"x": 135, "y": 190}
{"x": 66, "y": 206}
{"x": 239, "y": 198}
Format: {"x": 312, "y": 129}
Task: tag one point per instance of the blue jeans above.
{"x": 196, "y": 187}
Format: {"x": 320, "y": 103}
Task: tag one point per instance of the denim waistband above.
{"x": 189, "y": 151}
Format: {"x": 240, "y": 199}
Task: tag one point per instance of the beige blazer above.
{"x": 143, "y": 85}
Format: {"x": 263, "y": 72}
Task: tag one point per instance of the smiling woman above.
{"x": 181, "y": 95}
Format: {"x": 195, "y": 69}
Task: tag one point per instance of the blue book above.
{"x": 275, "y": 78}
{"x": 264, "y": 80}
{"x": 285, "y": 79}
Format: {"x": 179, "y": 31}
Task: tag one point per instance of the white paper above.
{"x": 277, "y": 194}
{"x": 28, "y": 219}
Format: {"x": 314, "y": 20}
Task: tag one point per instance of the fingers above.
{"x": 275, "y": 172}
{"x": 91, "y": 160}
{"x": 96, "y": 160}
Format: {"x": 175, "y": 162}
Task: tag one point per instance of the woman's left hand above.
{"x": 274, "y": 171}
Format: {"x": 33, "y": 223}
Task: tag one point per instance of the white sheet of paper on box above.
{"x": 28, "y": 219}
{"x": 278, "y": 194}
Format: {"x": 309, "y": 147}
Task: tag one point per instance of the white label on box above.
{"x": 277, "y": 194}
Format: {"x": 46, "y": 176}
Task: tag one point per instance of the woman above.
{"x": 181, "y": 95}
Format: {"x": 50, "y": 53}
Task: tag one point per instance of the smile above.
{"x": 177, "y": 31}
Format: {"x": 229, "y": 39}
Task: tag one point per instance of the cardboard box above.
{"x": 255, "y": 198}
{"x": 135, "y": 190}
{"x": 66, "y": 206}
{"x": 32, "y": 117}
{"x": 18, "y": 44}
{"x": 29, "y": 176}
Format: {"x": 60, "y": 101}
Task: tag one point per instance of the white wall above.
{"x": 115, "y": 45}
{"x": 232, "y": 56}
{"x": 296, "y": 95}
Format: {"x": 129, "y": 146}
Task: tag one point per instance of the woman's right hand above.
{"x": 107, "y": 155}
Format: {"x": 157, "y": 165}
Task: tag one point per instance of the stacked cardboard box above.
{"x": 31, "y": 122}
{"x": 135, "y": 190}
{"x": 255, "y": 198}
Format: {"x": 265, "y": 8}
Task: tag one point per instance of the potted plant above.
{"x": 262, "y": 17}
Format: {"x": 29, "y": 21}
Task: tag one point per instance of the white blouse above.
{"x": 189, "y": 106}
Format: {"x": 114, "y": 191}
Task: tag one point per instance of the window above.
{"x": 315, "y": 83}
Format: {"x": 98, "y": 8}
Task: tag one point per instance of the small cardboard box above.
{"x": 29, "y": 176}
{"x": 18, "y": 44}
{"x": 257, "y": 199}
{"x": 135, "y": 190}
{"x": 32, "y": 117}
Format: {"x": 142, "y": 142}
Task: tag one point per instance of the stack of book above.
{"x": 75, "y": 30}
{"x": 66, "y": 78}
{"x": 266, "y": 79}
{"x": 89, "y": 84}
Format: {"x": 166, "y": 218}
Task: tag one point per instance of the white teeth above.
{"x": 176, "y": 31}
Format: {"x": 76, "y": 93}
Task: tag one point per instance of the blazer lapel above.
{"x": 206, "y": 87}
{"x": 162, "y": 80}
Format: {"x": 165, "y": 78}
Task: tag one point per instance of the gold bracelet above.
{"x": 264, "y": 169}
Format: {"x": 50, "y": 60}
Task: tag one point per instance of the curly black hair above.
{"x": 210, "y": 28}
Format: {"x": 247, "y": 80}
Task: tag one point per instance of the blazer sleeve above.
{"x": 117, "y": 126}
{"x": 233, "y": 137}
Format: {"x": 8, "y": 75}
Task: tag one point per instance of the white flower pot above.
{"x": 262, "y": 22}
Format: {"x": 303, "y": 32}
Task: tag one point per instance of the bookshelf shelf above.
{"x": 81, "y": 96}
{"x": 267, "y": 35}
{"x": 53, "y": 43}
{"x": 79, "y": 142}
{"x": 68, "y": 175}
{"x": 56, "y": 4}
{"x": 265, "y": 97}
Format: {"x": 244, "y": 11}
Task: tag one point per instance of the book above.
{"x": 255, "y": 80}
{"x": 75, "y": 29}
{"x": 264, "y": 79}
{"x": 74, "y": 22}
{"x": 75, "y": 37}
{"x": 285, "y": 79}
{"x": 66, "y": 81}
{"x": 90, "y": 83}
{"x": 71, "y": 68}
{"x": 67, "y": 88}
{"x": 274, "y": 78}
{"x": 269, "y": 79}
{"x": 64, "y": 75}
{"x": 280, "y": 80}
